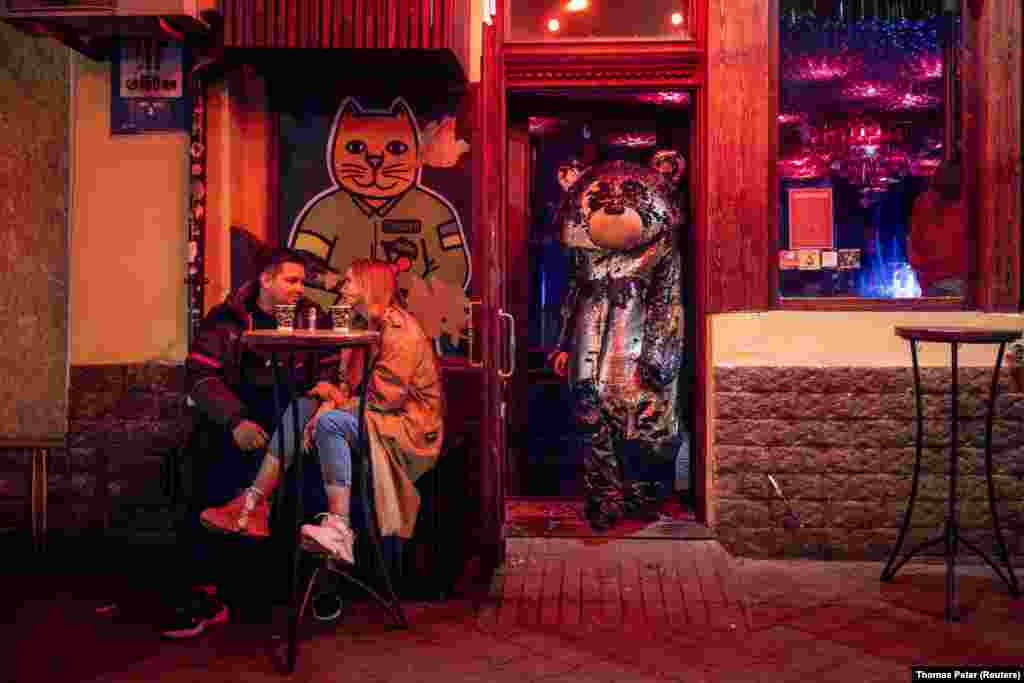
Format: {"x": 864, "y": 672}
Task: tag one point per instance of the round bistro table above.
{"x": 282, "y": 348}
{"x": 951, "y": 536}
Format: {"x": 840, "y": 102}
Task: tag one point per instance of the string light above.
{"x": 577, "y": 5}
{"x": 677, "y": 19}
{"x": 554, "y": 25}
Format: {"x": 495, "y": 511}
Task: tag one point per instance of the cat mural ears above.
{"x": 350, "y": 108}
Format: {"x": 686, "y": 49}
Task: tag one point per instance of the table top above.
{"x": 307, "y": 340}
{"x": 960, "y": 335}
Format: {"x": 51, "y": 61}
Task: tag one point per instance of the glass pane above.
{"x": 869, "y": 178}
{"x": 532, "y": 20}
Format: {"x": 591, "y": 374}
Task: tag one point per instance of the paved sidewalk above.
{"x": 565, "y": 610}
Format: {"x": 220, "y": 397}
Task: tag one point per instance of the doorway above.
{"x": 548, "y": 129}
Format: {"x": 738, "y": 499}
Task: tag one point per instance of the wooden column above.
{"x": 242, "y": 172}
{"x": 738, "y": 249}
{"x": 741, "y": 114}
{"x": 991, "y": 78}
{"x": 490, "y": 241}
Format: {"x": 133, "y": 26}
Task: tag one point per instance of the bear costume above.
{"x": 622, "y": 326}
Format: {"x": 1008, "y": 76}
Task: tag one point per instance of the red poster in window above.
{"x": 810, "y": 218}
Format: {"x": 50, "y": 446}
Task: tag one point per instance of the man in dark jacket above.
{"x": 232, "y": 389}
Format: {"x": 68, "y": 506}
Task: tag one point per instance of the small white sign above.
{"x": 150, "y": 68}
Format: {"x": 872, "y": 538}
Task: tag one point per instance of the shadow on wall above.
{"x": 245, "y": 249}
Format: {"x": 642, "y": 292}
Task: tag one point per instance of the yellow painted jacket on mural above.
{"x": 419, "y": 225}
{"x": 405, "y": 419}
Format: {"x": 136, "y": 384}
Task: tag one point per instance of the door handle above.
{"x": 511, "y": 344}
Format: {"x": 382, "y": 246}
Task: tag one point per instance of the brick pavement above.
{"x": 565, "y": 610}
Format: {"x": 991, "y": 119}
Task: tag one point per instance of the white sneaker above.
{"x": 332, "y": 537}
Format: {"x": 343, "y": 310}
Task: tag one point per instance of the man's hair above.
{"x": 270, "y": 259}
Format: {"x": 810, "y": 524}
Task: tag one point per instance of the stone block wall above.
{"x": 840, "y": 443}
{"x": 124, "y": 421}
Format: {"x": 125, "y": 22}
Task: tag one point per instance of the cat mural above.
{"x": 377, "y": 208}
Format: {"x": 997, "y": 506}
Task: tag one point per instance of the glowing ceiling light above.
{"x": 677, "y": 19}
{"x": 554, "y": 25}
{"x": 577, "y": 5}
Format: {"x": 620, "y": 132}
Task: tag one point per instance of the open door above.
{"x": 546, "y": 129}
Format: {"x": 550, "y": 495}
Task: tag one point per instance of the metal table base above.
{"x": 951, "y": 535}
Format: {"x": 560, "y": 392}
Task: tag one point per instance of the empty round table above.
{"x": 954, "y": 336}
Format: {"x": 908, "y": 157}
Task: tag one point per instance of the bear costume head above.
{"x": 618, "y": 205}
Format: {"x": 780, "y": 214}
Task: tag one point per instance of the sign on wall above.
{"x": 810, "y": 218}
{"x": 148, "y": 87}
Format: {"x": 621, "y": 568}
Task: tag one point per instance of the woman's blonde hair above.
{"x": 376, "y": 280}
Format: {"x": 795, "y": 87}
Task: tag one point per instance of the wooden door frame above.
{"x": 641, "y": 65}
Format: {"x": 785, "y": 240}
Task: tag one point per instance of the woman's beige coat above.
{"x": 404, "y": 418}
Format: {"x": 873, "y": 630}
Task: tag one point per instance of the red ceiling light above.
{"x": 554, "y": 25}
{"x": 577, "y": 5}
{"x": 677, "y": 19}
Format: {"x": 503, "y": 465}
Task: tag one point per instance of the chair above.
{"x": 327, "y": 604}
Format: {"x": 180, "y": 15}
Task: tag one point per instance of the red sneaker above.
{"x": 247, "y": 514}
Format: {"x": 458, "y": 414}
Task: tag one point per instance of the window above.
{"x": 553, "y": 20}
{"x": 869, "y": 153}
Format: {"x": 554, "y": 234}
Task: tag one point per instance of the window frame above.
{"x": 985, "y": 37}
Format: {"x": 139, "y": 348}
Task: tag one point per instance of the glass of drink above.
{"x": 341, "y": 315}
{"x": 285, "y": 314}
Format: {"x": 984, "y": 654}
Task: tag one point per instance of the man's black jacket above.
{"x": 230, "y": 383}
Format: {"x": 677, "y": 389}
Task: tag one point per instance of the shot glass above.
{"x": 341, "y": 315}
{"x": 285, "y": 314}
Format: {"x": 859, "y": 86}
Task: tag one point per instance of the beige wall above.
{"x": 34, "y": 89}
{"x": 827, "y": 339}
{"x": 128, "y": 203}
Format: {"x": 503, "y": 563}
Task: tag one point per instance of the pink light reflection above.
{"x": 543, "y": 125}
{"x": 787, "y": 118}
{"x": 634, "y": 140}
{"x": 822, "y": 68}
{"x": 912, "y": 101}
{"x": 866, "y": 91}
{"x": 927, "y": 67}
{"x": 925, "y": 166}
{"x": 803, "y": 166}
{"x": 666, "y": 97}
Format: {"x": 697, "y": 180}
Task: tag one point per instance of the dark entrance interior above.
{"x": 548, "y": 129}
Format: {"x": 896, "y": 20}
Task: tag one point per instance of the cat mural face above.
{"x": 376, "y": 154}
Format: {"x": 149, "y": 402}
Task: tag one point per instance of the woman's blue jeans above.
{"x": 335, "y": 430}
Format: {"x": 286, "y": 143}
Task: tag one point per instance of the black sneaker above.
{"x": 193, "y": 617}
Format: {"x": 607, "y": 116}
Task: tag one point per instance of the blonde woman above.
{"x": 404, "y": 420}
